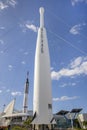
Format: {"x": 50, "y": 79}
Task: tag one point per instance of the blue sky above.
{"x": 66, "y": 24}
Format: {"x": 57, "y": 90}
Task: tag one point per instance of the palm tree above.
{"x": 27, "y": 122}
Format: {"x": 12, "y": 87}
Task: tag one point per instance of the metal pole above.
{"x": 71, "y": 121}
{"x": 34, "y": 126}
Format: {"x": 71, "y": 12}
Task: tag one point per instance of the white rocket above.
{"x": 42, "y": 101}
{"x": 25, "y": 101}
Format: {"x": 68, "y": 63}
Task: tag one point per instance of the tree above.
{"x": 76, "y": 123}
{"x": 85, "y": 123}
{"x": 18, "y": 128}
{"x": 27, "y": 123}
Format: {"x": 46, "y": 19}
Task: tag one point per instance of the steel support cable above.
{"x": 5, "y": 34}
{"x": 62, "y": 21}
{"x": 68, "y": 42}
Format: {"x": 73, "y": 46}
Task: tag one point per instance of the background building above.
{"x": 10, "y": 116}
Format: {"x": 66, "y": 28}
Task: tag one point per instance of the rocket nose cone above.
{"x": 41, "y": 10}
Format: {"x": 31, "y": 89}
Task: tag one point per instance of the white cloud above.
{"x": 28, "y": 26}
{"x": 1, "y": 52}
{"x": 0, "y": 91}
{"x": 7, "y": 3}
{"x": 76, "y": 62}
{"x": 63, "y": 85}
{"x": 26, "y": 53}
{"x": 23, "y": 62}
{"x": 73, "y": 84}
{"x": 16, "y": 93}
{"x": 75, "y": 69}
{"x": 77, "y": 28}
{"x": 67, "y": 84}
{"x": 31, "y": 27}
{"x": 3, "y": 5}
{"x": 65, "y": 98}
{"x": 10, "y": 67}
{"x": 8, "y": 90}
{"x": 74, "y": 2}
{"x": 12, "y": 2}
{"x": 2, "y": 28}
{"x": 1, "y": 42}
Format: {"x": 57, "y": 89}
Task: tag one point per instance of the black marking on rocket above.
{"x": 25, "y": 106}
{"x": 42, "y": 50}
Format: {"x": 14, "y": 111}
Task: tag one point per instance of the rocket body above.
{"x": 25, "y": 102}
{"x": 42, "y": 102}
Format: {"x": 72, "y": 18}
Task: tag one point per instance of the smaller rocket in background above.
{"x": 26, "y": 90}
